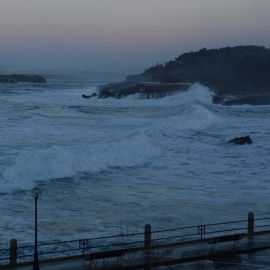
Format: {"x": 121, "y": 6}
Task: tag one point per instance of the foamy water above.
{"x": 107, "y": 164}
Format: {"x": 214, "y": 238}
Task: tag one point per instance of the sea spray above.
{"x": 190, "y": 111}
{"x": 196, "y": 93}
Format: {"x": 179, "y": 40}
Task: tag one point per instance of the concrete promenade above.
{"x": 252, "y": 253}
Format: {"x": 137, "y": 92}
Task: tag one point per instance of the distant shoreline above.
{"x": 17, "y": 78}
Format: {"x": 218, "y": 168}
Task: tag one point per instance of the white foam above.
{"x": 191, "y": 118}
{"x": 196, "y": 93}
{"x": 59, "y": 161}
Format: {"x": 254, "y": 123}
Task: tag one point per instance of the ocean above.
{"x": 105, "y": 165}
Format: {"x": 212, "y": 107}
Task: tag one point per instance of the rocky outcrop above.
{"x": 144, "y": 89}
{"x": 241, "y": 100}
{"x": 241, "y": 140}
{"x": 119, "y": 90}
{"x": 16, "y": 78}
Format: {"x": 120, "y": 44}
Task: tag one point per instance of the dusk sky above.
{"x": 123, "y": 35}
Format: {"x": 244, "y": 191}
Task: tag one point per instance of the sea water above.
{"x": 108, "y": 164}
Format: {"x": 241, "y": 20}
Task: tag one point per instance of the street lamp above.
{"x": 35, "y": 193}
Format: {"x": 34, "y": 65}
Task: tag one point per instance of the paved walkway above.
{"x": 249, "y": 255}
{"x": 234, "y": 259}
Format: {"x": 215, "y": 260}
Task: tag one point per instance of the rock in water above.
{"x": 241, "y": 140}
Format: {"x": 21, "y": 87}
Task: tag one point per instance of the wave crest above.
{"x": 59, "y": 161}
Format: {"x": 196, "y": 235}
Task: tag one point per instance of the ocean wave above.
{"x": 58, "y": 161}
{"x": 196, "y": 93}
{"x": 191, "y": 117}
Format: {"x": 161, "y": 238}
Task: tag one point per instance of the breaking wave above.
{"x": 58, "y": 161}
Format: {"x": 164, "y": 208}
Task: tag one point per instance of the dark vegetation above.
{"x": 234, "y": 70}
{"x": 236, "y": 75}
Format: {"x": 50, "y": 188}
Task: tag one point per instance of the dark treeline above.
{"x": 246, "y": 66}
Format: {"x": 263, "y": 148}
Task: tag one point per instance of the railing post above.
{"x": 13, "y": 253}
{"x": 201, "y": 230}
{"x": 147, "y": 245}
{"x": 250, "y": 223}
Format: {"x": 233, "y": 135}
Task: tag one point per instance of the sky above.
{"x": 123, "y": 35}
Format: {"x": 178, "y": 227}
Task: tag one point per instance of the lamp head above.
{"x": 35, "y": 192}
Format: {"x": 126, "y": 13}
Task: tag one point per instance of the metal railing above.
{"x": 130, "y": 242}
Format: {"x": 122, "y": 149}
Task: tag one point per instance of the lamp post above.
{"x": 35, "y": 193}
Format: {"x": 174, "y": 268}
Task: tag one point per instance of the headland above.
{"x": 235, "y": 75}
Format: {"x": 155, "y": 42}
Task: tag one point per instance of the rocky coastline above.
{"x": 144, "y": 89}
{"x": 236, "y": 75}
{"x": 18, "y": 78}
